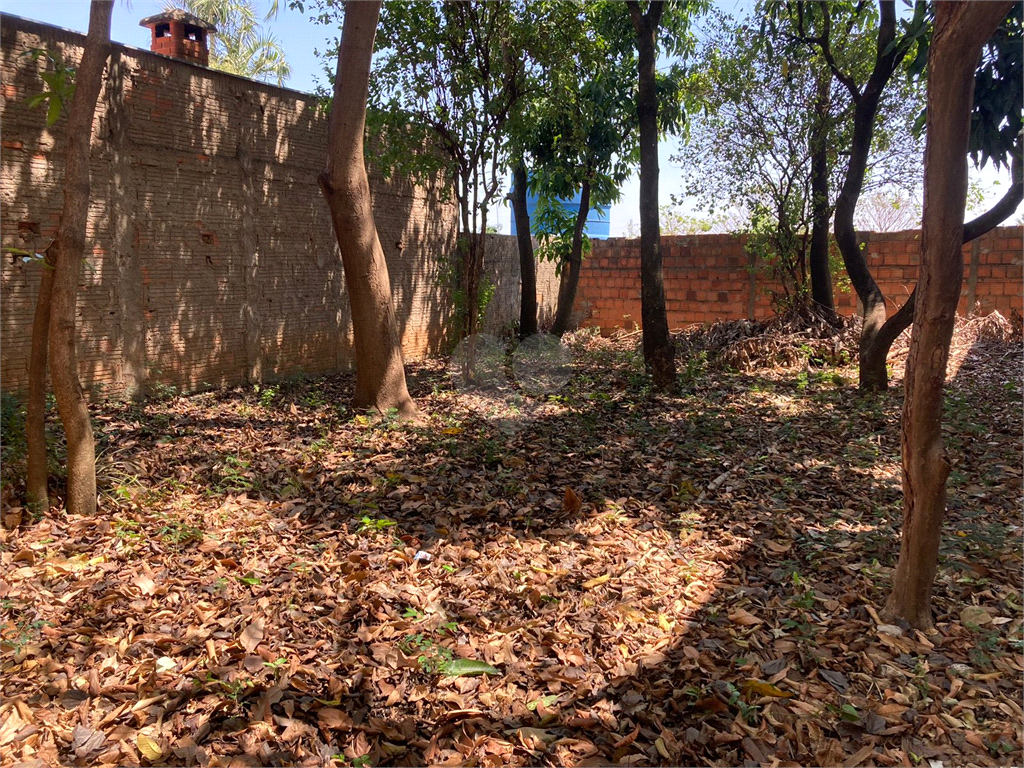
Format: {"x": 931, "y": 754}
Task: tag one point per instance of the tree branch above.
{"x": 1003, "y": 209}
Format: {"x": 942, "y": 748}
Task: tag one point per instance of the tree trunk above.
{"x": 380, "y": 371}
{"x": 68, "y": 251}
{"x": 659, "y": 352}
{"x": 474, "y": 269}
{"x": 821, "y": 275}
{"x": 882, "y": 342}
{"x": 961, "y": 29}
{"x": 571, "y": 271}
{"x": 36, "y": 489}
{"x": 887, "y": 57}
{"x": 527, "y": 261}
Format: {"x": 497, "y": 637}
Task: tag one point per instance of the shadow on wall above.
{"x": 503, "y": 272}
{"x": 211, "y": 257}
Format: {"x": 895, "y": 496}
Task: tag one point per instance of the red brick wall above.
{"x": 211, "y": 258}
{"x": 708, "y": 277}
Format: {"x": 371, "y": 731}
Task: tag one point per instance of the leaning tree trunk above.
{"x": 961, "y": 29}
{"x": 35, "y": 409}
{"x": 887, "y": 58}
{"x": 380, "y": 370}
{"x": 68, "y": 252}
{"x": 821, "y": 275}
{"x": 527, "y": 261}
{"x": 659, "y": 352}
{"x": 571, "y": 270}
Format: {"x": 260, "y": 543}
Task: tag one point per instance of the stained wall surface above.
{"x": 211, "y": 259}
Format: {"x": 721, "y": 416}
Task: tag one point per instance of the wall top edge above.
{"x": 21, "y": 24}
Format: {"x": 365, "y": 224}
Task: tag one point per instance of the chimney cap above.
{"x": 176, "y": 14}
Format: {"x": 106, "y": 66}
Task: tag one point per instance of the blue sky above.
{"x": 300, "y": 37}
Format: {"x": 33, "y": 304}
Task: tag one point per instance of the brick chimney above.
{"x": 180, "y": 35}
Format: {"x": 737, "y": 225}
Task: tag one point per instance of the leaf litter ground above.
{"x": 684, "y": 580}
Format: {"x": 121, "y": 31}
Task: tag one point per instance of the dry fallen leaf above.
{"x": 149, "y": 747}
{"x": 252, "y": 635}
{"x": 572, "y": 503}
{"x": 743, "y": 618}
{"x": 145, "y": 584}
{"x": 331, "y": 718}
{"x": 762, "y": 688}
{"x": 596, "y": 582}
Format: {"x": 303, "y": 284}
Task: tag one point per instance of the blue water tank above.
{"x": 598, "y": 223}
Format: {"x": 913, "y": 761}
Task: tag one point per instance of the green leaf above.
{"x": 849, "y": 712}
{"x": 53, "y": 112}
{"x": 467, "y": 668}
{"x": 547, "y": 701}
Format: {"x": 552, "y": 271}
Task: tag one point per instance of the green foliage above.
{"x": 555, "y": 231}
{"x": 446, "y": 77}
{"x": 764, "y": 109}
{"x": 779, "y": 245}
{"x": 451, "y": 279}
{"x": 580, "y": 123}
{"x": 998, "y": 115}
{"x": 177, "y": 532}
{"x": 60, "y": 85}
{"x": 431, "y": 655}
{"x": 369, "y": 524}
{"x": 240, "y": 46}
{"x": 266, "y": 394}
{"x": 235, "y": 475}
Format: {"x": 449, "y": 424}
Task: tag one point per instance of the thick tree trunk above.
{"x": 882, "y": 342}
{"x": 527, "y": 261}
{"x": 659, "y": 352}
{"x": 68, "y": 251}
{"x": 821, "y": 275}
{"x": 887, "y": 57}
{"x": 380, "y": 371}
{"x": 961, "y": 29}
{"x": 571, "y": 271}
{"x": 35, "y": 409}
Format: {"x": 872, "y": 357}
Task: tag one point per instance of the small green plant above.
{"x": 266, "y": 394}
{"x": 695, "y": 368}
{"x": 369, "y": 524}
{"x": 389, "y": 419}
{"x": 803, "y": 600}
{"x": 17, "y": 633}
{"x": 430, "y": 654}
{"x": 179, "y": 532}
{"x": 234, "y": 690}
{"x": 127, "y": 530}
{"x": 159, "y": 390}
{"x": 235, "y": 475}
{"x": 751, "y": 713}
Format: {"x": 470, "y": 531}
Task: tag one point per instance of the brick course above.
{"x": 707, "y": 277}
